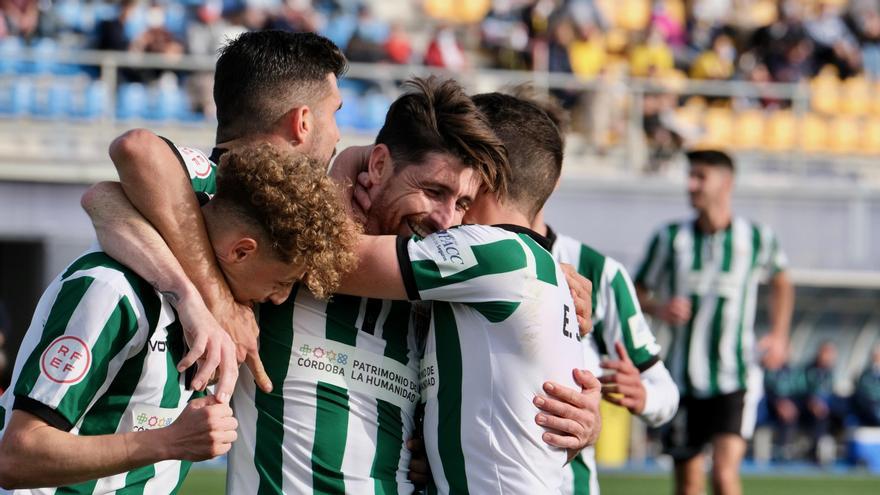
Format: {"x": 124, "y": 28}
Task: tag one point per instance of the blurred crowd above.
{"x": 833, "y": 44}
{"x": 806, "y": 414}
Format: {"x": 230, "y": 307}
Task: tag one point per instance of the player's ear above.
{"x": 300, "y": 124}
{"x": 242, "y": 249}
{"x": 380, "y": 164}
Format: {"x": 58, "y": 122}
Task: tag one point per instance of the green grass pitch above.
{"x": 210, "y": 481}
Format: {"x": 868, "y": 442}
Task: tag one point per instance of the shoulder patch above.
{"x": 66, "y": 360}
{"x": 453, "y": 255}
{"x": 196, "y": 162}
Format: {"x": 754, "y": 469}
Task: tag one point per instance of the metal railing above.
{"x": 387, "y": 76}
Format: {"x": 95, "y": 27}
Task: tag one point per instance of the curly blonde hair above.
{"x": 297, "y": 208}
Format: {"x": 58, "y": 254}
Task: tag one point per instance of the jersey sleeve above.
{"x": 623, "y": 319}
{"x": 90, "y": 325}
{"x": 772, "y": 258}
{"x": 468, "y": 264}
{"x": 650, "y": 270}
{"x": 200, "y": 170}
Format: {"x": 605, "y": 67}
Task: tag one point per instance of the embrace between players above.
{"x": 402, "y": 321}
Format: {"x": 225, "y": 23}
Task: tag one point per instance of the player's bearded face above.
{"x": 326, "y": 134}
{"x": 422, "y": 199}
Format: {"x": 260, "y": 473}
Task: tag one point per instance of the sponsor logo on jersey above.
{"x": 149, "y": 417}
{"x": 158, "y": 345}
{"x": 196, "y": 161}
{"x": 356, "y": 369}
{"x": 66, "y": 360}
{"x": 452, "y": 257}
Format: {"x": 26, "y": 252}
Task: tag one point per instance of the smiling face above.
{"x": 421, "y": 199}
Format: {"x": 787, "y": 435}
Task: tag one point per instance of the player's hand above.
{"x": 571, "y": 417}
{"x": 204, "y": 429}
{"x": 623, "y": 387}
{"x": 773, "y": 346}
{"x": 351, "y": 162}
{"x": 419, "y": 470}
{"x": 361, "y": 193}
{"x": 209, "y": 346}
{"x": 241, "y": 325}
{"x": 676, "y": 312}
{"x": 582, "y": 293}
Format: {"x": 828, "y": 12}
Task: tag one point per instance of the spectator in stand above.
{"x": 445, "y": 51}
{"x": 19, "y": 17}
{"x": 368, "y": 42}
{"x": 784, "y": 388}
{"x": 783, "y": 45}
{"x": 718, "y": 62}
{"x": 866, "y": 398}
{"x": 820, "y": 402}
{"x": 156, "y": 39}
{"x": 651, "y": 58}
{"x": 398, "y": 47}
{"x": 868, "y": 24}
{"x": 834, "y": 43}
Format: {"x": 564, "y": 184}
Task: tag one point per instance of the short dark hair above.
{"x": 534, "y": 148}
{"x": 435, "y": 115}
{"x": 713, "y": 158}
{"x": 261, "y": 75}
{"x": 546, "y": 102}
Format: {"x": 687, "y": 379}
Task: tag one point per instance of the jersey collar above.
{"x": 551, "y": 235}
{"x": 216, "y": 153}
{"x": 541, "y": 240}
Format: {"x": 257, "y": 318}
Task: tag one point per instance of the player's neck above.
{"x": 715, "y": 219}
{"x": 538, "y": 224}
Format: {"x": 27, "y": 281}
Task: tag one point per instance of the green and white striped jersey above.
{"x": 99, "y": 358}
{"x": 345, "y": 390}
{"x": 502, "y": 323}
{"x": 719, "y": 273}
{"x": 617, "y": 316}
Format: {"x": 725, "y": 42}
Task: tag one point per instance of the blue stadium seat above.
{"x": 375, "y": 106}
{"x": 348, "y": 116}
{"x": 10, "y": 48}
{"x": 95, "y": 101}
{"x": 47, "y": 52}
{"x": 51, "y": 100}
{"x": 339, "y": 29}
{"x": 131, "y": 102}
{"x": 22, "y": 93}
{"x": 176, "y": 19}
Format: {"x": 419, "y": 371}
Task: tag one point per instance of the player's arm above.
{"x": 378, "y": 273}
{"x": 96, "y": 323}
{"x": 129, "y": 238}
{"x": 35, "y": 454}
{"x": 774, "y": 344}
{"x": 156, "y": 186}
{"x": 638, "y": 380}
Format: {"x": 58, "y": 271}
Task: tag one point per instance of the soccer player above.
{"x": 97, "y": 404}
{"x": 500, "y": 322}
{"x": 318, "y": 433}
{"x": 621, "y": 340}
{"x": 269, "y": 86}
{"x": 700, "y": 276}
